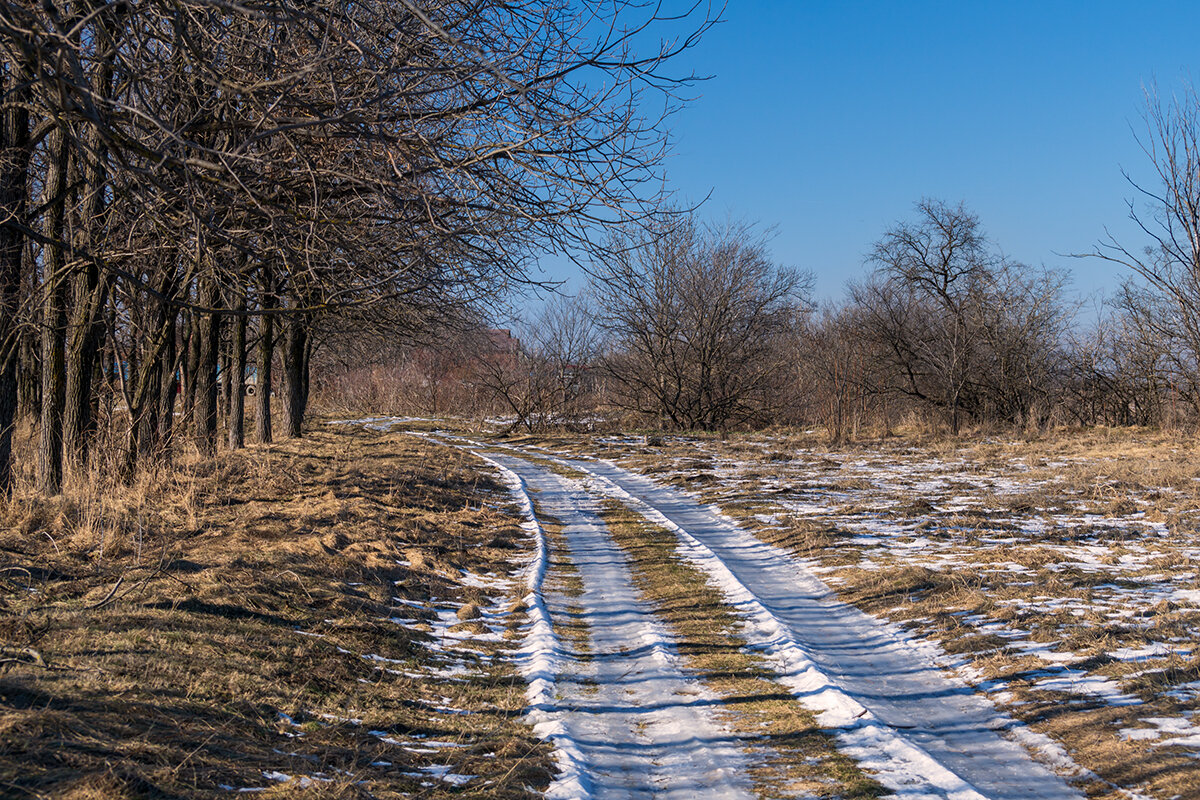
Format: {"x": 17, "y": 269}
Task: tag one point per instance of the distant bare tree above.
{"x": 921, "y": 303}
{"x": 1162, "y": 299}
{"x": 956, "y": 326}
{"x": 549, "y": 379}
{"x": 1024, "y": 322}
{"x": 835, "y": 370}
{"x": 692, "y": 313}
{"x": 1115, "y": 374}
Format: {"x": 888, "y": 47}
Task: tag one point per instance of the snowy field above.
{"x": 1058, "y": 579}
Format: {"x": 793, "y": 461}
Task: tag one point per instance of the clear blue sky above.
{"x": 829, "y": 119}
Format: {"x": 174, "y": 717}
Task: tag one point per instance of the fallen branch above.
{"x": 110, "y": 594}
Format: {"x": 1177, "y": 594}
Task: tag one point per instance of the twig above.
{"x": 51, "y": 538}
{"x": 297, "y": 577}
{"x": 110, "y": 594}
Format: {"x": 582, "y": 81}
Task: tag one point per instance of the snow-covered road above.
{"x": 646, "y": 729}
{"x": 641, "y": 727}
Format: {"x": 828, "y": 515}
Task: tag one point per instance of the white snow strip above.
{"x": 538, "y": 657}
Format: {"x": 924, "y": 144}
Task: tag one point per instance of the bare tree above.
{"x": 549, "y": 378}
{"x": 163, "y": 161}
{"x": 834, "y": 371}
{"x": 921, "y": 302}
{"x": 956, "y": 326}
{"x": 1024, "y": 323}
{"x": 692, "y": 313}
{"x": 1162, "y": 299}
{"x": 1115, "y": 374}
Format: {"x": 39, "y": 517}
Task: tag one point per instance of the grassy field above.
{"x": 323, "y": 618}
{"x": 1059, "y": 575}
{"x": 319, "y": 618}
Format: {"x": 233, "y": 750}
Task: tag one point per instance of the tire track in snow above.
{"x": 628, "y": 723}
{"x": 643, "y": 727}
{"x": 924, "y": 735}
{"x": 539, "y": 656}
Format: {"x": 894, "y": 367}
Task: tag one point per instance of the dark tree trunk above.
{"x": 168, "y": 386}
{"x": 83, "y": 351}
{"x": 225, "y": 397}
{"x": 236, "y": 380}
{"x": 209, "y": 330}
{"x": 91, "y": 286}
{"x": 295, "y": 340}
{"x": 14, "y": 169}
{"x": 146, "y": 407}
{"x": 306, "y": 375}
{"x": 151, "y": 446}
{"x": 191, "y": 364}
{"x": 29, "y": 373}
{"x": 266, "y": 354}
{"x": 54, "y": 320}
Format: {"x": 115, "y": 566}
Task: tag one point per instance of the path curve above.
{"x": 642, "y": 727}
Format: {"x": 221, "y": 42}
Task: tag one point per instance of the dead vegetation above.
{"x": 292, "y": 618}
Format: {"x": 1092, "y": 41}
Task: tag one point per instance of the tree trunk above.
{"x": 266, "y": 354}
{"x": 145, "y": 440}
{"x": 54, "y": 321}
{"x": 191, "y": 364}
{"x": 29, "y": 387}
{"x": 225, "y": 397}
{"x": 83, "y": 349}
{"x": 209, "y": 329}
{"x": 91, "y": 286}
{"x": 14, "y": 169}
{"x": 168, "y": 385}
{"x": 295, "y": 341}
{"x": 236, "y": 380}
{"x": 306, "y": 375}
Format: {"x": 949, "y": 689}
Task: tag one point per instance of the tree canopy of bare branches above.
{"x": 693, "y": 313}
{"x": 170, "y": 168}
{"x": 956, "y": 326}
{"x": 1162, "y": 299}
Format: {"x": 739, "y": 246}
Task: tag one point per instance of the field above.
{"x": 346, "y": 615}
{"x": 320, "y": 618}
{"x": 1059, "y": 576}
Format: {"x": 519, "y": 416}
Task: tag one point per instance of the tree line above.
{"x": 687, "y": 325}
{"x": 195, "y": 195}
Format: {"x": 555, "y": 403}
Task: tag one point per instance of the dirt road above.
{"x": 643, "y": 727}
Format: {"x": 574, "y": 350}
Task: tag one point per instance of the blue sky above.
{"x": 828, "y": 120}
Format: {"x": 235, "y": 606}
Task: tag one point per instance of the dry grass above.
{"x": 229, "y": 623}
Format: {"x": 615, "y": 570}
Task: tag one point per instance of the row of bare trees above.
{"x": 194, "y": 193}
{"x": 687, "y": 325}
{"x": 703, "y": 331}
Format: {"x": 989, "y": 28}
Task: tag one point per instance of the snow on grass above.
{"x": 952, "y": 515}
{"x": 1079, "y": 578}
{"x": 443, "y": 773}
{"x": 894, "y": 760}
{"x": 1167, "y": 732}
{"x": 538, "y": 656}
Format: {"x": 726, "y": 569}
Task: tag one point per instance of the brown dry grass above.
{"x": 151, "y": 636}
